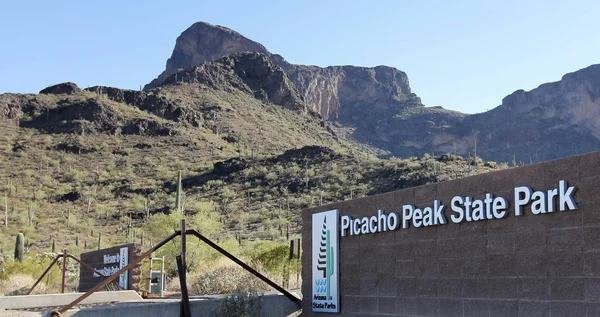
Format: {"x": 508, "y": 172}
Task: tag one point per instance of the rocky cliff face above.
{"x": 346, "y": 92}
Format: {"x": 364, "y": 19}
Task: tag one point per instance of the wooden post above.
{"x": 64, "y": 271}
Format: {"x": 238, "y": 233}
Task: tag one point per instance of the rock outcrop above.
{"x": 152, "y": 102}
{"x": 96, "y": 115}
{"x": 252, "y": 73}
{"x": 67, "y": 88}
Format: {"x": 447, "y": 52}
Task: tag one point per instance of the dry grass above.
{"x": 19, "y": 284}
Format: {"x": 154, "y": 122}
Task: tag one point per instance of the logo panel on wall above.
{"x": 325, "y": 262}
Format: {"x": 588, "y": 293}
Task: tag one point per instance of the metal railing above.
{"x": 181, "y": 263}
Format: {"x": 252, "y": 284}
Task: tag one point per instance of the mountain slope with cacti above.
{"x": 79, "y": 163}
{"x": 82, "y": 169}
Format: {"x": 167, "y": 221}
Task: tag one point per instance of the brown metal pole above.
{"x": 185, "y": 299}
{"x": 123, "y": 270}
{"x": 181, "y": 266}
{"x": 64, "y": 271}
{"x": 245, "y": 266}
{"x": 44, "y": 274}
{"x": 92, "y": 269}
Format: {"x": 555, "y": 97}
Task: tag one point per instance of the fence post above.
{"x": 64, "y": 271}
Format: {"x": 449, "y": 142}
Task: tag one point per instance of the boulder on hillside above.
{"x": 67, "y": 88}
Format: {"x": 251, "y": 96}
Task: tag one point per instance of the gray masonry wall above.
{"x": 532, "y": 265}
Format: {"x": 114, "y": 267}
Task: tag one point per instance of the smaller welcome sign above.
{"x": 107, "y": 262}
{"x": 325, "y": 262}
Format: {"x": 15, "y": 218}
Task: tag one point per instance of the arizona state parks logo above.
{"x": 325, "y": 262}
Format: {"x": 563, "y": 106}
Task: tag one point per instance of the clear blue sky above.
{"x": 462, "y": 55}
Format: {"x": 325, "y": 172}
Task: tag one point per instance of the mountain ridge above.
{"x": 376, "y": 106}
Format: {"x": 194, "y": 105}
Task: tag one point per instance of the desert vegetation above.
{"x": 96, "y": 169}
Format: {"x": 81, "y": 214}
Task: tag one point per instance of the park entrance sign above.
{"x": 521, "y": 239}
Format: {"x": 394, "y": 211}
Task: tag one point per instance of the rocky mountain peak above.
{"x": 204, "y": 42}
{"x": 337, "y": 92}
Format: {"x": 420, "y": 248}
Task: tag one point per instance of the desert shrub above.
{"x": 413, "y": 166}
{"x": 14, "y": 273}
{"x": 72, "y": 176}
{"x": 271, "y": 177}
{"x": 270, "y": 255}
{"x": 243, "y": 304}
{"x": 274, "y": 257}
{"x": 228, "y": 278}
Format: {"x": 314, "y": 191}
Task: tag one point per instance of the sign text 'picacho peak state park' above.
{"x": 464, "y": 209}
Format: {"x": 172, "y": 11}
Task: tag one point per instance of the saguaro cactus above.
{"x": 178, "y": 199}
{"x": 30, "y": 214}
{"x": 5, "y": 209}
{"x": 20, "y": 247}
{"x": 147, "y": 209}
